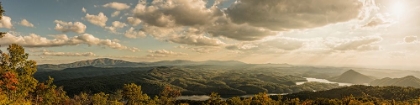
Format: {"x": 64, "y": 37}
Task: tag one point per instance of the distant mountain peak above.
{"x": 410, "y": 77}
{"x": 100, "y": 62}
{"x": 407, "y": 81}
{"x": 351, "y": 72}
{"x": 352, "y": 76}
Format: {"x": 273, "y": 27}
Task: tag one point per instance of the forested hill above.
{"x": 106, "y": 62}
{"x": 352, "y": 76}
{"x": 101, "y": 62}
{"x": 408, "y": 81}
{"x": 386, "y": 93}
{"x": 195, "y": 82}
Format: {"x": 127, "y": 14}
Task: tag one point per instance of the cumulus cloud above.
{"x": 169, "y": 13}
{"x": 163, "y": 19}
{"x": 410, "y": 39}
{"x": 116, "y": 13}
{"x": 83, "y": 10}
{"x": 133, "y": 21}
{"x": 117, "y": 6}
{"x": 5, "y": 22}
{"x": 291, "y": 14}
{"x": 26, "y": 23}
{"x": 115, "y": 25}
{"x": 34, "y": 41}
{"x": 194, "y": 37}
{"x": 46, "y": 53}
{"x": 63, "y": 26}
{"x": 354, "y": 44}
{"x": 132, "y": 33}
{"x": 245, "y": 20}
{"x": 272, "y": 45}
{"x": 201, "y": 49}
{"x": 164, "y": 53}
{"x": 197, "y": 40}
{"x": 243, "y": 32}
{"x": 99, "y": 20}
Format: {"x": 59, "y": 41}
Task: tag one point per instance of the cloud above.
{"x": 115, "y": 25}
{"x": 132, "y": 33}
{"x": 46, "y": 53}
{"x": 164, "y": 53}
{"x": 283, "y": 15}
{"x": 99, "y": 20}
{"x": 197, "y": 40}
{"x": 117, "y": 6}
{"x": 63, "y": 26}
{"x": 26, "y": 23}
{"x": 245, "y": 20}
{"x": 377, "y": 21}
{"x": 243, "y": 32}
{"x": 171, "y": 13}
{"x": 116, "y": 13}
{"x": 194, "y": 37}
{"x": 201, "y": 49}
{"x": 83, "y": 10}
{"x": 162, "y": 18}
{"x": 410, "y": 39}
{"x": 5, "y": 22}
{"x": 272, "y": 45}
{"x": 133, "y": 21}
{"x": 354, "y": 44}
{"x": 34, "y": 41}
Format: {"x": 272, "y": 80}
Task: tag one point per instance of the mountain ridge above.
{"x": 407, "y": 81}
{"x": 107, "y": 62}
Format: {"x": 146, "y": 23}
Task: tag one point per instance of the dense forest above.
{"x": 195, "y": 82}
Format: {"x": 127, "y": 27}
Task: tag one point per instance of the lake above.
{"x": 322, "y": 81}
{"x": 205, "y": 97}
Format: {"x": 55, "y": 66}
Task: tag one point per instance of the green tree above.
{"x": 168, "y": 95}
{"x": 215, "y": 99}
{"x": 116, "y": 97}
{"x": 133, "y": 94}
{"x": 100, "y": 98}
{"x": 235, "y": 101}
{"x": 81, "y": 99}
{"x": 48, "y": 93}
{"x": 17, "y": 73}
{"x": 1, "y": 15}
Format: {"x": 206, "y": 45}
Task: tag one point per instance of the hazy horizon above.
{"x": 352, "y": 33}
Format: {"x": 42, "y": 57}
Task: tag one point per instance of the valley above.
{"x": 228, "y": 78}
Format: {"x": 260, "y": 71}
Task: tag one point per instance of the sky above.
{"x": 357, "y": 33}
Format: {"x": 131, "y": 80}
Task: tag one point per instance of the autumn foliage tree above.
{"x": 17, "y": 74}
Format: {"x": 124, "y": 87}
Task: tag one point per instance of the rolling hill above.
{"x": 408, "y": 81}
{"x": 352, "y": 76}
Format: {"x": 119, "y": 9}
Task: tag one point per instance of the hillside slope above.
{"x": 352, "y": 76}
{"x": 408, "y": 81}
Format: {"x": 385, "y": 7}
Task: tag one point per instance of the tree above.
{"x": 1, "y": 15}
{"x": 168, "y": 95}
{"x": 100, "y": 98}
{"x": 133, "y": 94}
{"x": 215, "y": 99}
{"x": 17, "y": 74}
